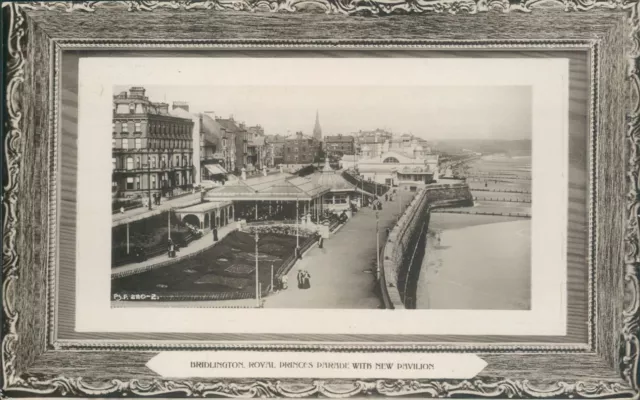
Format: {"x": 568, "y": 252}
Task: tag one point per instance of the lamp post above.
{"x": 257, "y": 273}
{"x": 377, "y": 249}
{"x": 297, "y": 228}
{"x": 375, "y": 182}
{"x": 149, "y": 184}
{"x": 169, "y": 224}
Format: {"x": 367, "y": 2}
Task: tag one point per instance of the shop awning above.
{"x": 215, "y": 169}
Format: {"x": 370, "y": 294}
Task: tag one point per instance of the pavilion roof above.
{"x": 285, "y": 187}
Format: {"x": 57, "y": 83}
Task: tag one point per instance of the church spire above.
{"x": 317, "y": 130}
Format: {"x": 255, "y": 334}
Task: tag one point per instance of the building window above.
{"x": 130, "y": 183}
{"x": 138, "y": 127}
{"x": 390, "y": 160}
{"x": 132, "y": 108}
{"x": 138, "y": 163}
{"x": 113, "y": 143}
{"x": 178, "y": 160}
{"x": 138, "y": 143}
{"x": 129, "y": 163}
{"x": 164, "y": 161}
{"x": 137, "y": 182}
{"x": 152, "y": 162}
{"x": 153, "y": 181}
{"x": 113, "y": 127}
{"x": 113, "y": 162}
{"x": 125, "y": 127}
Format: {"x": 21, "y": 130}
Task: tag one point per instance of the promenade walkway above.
{"x": 199, "y": 244}
{"x": 144, "y": 212}
{"x": 343, "y": 271}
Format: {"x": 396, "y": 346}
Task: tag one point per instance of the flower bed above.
{"x": 226, "y": 267}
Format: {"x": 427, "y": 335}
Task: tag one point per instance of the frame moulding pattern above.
{"x": 14, "y": 147}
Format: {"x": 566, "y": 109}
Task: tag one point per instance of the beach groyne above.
{"x": 404, "y": 249}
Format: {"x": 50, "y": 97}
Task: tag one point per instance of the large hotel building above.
{"x": 152, "y": 150}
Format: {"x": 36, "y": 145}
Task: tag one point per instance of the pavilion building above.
{"x": 342, "y": 193}
{"x": 279, "y": 196}
{"x": 410, "y": 168}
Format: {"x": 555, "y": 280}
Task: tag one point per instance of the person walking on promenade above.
{"x": 386, "y": 197}
{"x": 300, "y": 278}
{"x": 306, "y": 280}
{"x": 284, "y": 282}
{"x": 215, "y": 234}
{"x": 320, "y": 241}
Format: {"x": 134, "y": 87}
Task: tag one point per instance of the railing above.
{"x": 503, "y": 214}
{"x": 499, "y": 190}
{"x": 504, "y": 200}
{"x": 127, "y": 208}
{"x": 367, "y": 186}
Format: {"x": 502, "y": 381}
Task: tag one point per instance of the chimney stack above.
{"x": 181, "y": 104}
{"x": 163, "y": 108}
{"x": 137, "y": 91}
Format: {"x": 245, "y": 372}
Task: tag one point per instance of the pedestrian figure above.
{"x": 284, "y": 282}
{"x": 121, "y": 210}
{"x": 298, "y": 254}
{"x": 300, "y": 279}
{"x": 386, "y": 197}
{"x": 306, "y": 280}
{"x": 320, "y": 241}
{"x": 171, "y": 249}
{"x": 215, "y": 234}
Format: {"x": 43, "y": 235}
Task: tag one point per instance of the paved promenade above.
{"x": 199, "y": 244}
{"x": 343, "y": 271}
{"x": 144, "y": 212}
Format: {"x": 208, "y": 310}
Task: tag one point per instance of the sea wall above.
{"x": 404, "y": 249}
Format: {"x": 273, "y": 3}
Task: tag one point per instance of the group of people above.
{"x": 304, "y": 279}
{"x": 282, "y": 283}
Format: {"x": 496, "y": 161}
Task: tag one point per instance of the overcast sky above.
{"x": 431, "y": 112}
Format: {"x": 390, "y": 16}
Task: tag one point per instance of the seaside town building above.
{"x": 276, "y": 146}
{"x": 339, "y": 145}
{"x": 152, "y": 151}
{"x": 301, "y": 149}
{"x": 342, "y": 193}
{"x": 403, "y": 161}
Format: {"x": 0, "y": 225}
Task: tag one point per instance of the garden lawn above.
{"x": 229, "y": 266}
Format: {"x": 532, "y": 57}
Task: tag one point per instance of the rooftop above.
{"x": 271, "y": 187}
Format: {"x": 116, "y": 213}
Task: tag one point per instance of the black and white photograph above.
{"x": 277, "y": 197}
{"x": 321, "y": 198}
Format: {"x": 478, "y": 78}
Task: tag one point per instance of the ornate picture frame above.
{"x": 36, "y": 363}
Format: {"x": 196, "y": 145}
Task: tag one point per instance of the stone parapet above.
{"x": 403, "y": 251}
